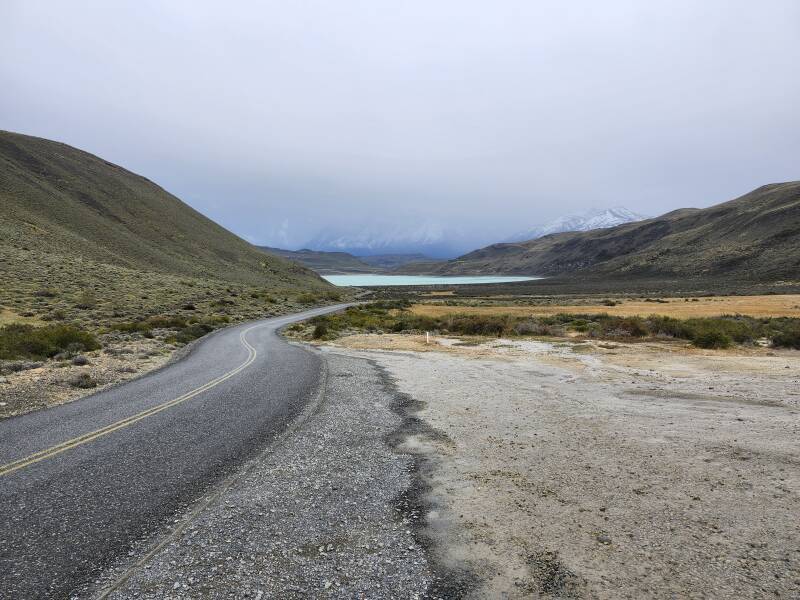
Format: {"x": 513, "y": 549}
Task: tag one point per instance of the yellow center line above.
{"x": 98, "y": 433}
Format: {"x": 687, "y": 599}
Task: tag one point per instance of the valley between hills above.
{"x": 624, "y": 427}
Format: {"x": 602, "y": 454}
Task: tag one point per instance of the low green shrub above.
{"x": 192, "y": 332}
{"x": 716, "y": 340}
{"x": 27, "y": 341}
{"x": 787, "y": 339}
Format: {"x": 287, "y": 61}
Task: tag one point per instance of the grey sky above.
{"x": 281, "y": 119}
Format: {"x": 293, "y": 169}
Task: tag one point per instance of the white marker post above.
{"x": 427, "y": 337}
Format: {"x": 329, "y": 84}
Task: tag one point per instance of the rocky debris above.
{"x": 15, "y": 366}
{"x": 317, "y": 516}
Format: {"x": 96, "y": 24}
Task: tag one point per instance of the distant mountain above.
{"x": 428, "y": 238}
{"x": 326, "y": 263}
{"x": 755, "y": 237}
{"x": 392, "y": 261}
{"x": 330, "y": 263}
{"x": 64, "y": 205}
{"x": 585, "y": 221}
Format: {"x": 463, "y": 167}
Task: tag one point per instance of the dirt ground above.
{"x": 756, "y": 306}
{"x": 600, "y": 470}
{"x": 31, "y": 385}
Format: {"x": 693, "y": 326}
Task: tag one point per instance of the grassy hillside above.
{"x": 87, "y": 242}
{"x": 324, "y": 262}
{"x": 61, "y": 200}
{"x": 753, "y": 238}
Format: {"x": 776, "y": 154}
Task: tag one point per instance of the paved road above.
{"x": 80, "y": 482}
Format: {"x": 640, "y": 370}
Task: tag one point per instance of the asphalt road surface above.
{"x": 82, "y": 481}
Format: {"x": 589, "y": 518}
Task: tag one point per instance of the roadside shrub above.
{"x": 742, "y": 330}
{"x": 715, "y": 340}
{"x": 83, "y": 381}
{"x": 668, "y": 326}
{"x": 623, "y": 327}
{"x": 787, "y": 339}
{"x": 192, "y": 332}
{"x": 476, "y": 325}
{"x": 27, "y": 341}
{"x": 320, "y": 331}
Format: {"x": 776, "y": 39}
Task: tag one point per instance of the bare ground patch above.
{"x": 608, "y": 470}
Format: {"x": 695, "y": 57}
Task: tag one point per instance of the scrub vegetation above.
{"x": 27, "y": 341}
{"x": 704, "y": 332}
{"x": 91, "y": 252}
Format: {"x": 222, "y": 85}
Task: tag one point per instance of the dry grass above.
{"x": 7, "y": 317}
{"x": 755, "y": 306}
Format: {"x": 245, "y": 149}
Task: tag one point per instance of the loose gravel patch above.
{"x": 320, "y": 515}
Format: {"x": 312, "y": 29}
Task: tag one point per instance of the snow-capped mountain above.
{"x": 591, "y": 219}
{"x": 428, "y": 238}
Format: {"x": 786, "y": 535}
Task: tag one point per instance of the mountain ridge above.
{"x": 584, "y": 221}
{"x": 753, "y": 237}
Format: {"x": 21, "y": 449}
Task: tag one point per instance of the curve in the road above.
{"x": 83, "y": 481}
{"x": 93, "y": 435}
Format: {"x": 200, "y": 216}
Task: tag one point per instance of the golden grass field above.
{"x": 756, "y": 306}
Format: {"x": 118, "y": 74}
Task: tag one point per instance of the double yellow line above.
{"x": 21, "y": 463}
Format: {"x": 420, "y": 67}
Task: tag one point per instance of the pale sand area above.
{"x": 605, "y": 470}
{"x": 786, "y": 305}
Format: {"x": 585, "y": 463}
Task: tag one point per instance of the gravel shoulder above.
{"x": 323, "y": 513}
{"x": 598, "y": 470}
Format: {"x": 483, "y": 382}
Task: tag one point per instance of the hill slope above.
{"x": 755, "y": 237}
{"x": 330, "y": 263}
{"x": 60, "y": 200}
{"x": 323, "y": 262}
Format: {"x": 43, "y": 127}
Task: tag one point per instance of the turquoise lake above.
{"x": 383, "y": 280}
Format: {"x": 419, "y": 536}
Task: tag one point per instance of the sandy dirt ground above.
{"x": 31, "y": 385}
{"x": 757, "y": 306}
{"x": 599, "y": 470}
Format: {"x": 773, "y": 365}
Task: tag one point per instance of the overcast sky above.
{"x": 282, "y": 119}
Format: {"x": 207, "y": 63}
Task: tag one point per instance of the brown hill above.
{"x": 755, "y": 237}
{"x": 62, "y": 201}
